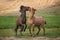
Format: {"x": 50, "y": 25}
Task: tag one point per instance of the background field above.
{"x": 7, "y": 26}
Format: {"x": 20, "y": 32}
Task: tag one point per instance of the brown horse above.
{"x": 21, "y": 21}
{"x": 35, "y": 21}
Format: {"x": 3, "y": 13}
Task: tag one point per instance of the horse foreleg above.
{"x": 29, "y": 29}
{"x": 33, "y": 30}
{"x": 25, "y": 27}
{"x": 16, "y": 29}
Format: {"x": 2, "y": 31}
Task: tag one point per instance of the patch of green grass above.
{"x": 10, "y": 22}
{"x": 50, "y": 32}
{"x": 6, "y": 32}
{"x": 7, "y": 21}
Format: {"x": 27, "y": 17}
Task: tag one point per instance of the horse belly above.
{"x": 38, "y": 21}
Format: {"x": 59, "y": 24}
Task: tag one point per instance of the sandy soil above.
{"x": 35, "y": 38}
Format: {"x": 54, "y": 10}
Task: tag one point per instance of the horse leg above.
{"x": 16, "y": 29}
{"x": 44, "y": 29}
{"x": 29, "y": 27}
{"x": 33, "y": 30}
{"x": 25, "y": 27}
{"x": 38, "y": 30}
{"x": 21, "y": 27}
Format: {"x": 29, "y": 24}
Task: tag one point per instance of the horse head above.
{"x": 24, "y": 8}
{"x": 32, "y": 10}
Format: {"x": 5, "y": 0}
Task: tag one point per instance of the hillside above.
{"x": 11, "y": 7}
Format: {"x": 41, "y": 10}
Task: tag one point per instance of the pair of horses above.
{"x": 32, "y": 20}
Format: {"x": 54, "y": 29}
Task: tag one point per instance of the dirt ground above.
{"x": 34, "y": 38}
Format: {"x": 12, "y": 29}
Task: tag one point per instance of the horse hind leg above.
{"x": 44, "y": 29}
{"x": 16, "y": 29}
{"x": 22, "y": 27}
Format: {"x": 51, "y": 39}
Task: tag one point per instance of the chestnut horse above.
{"x": 34, "y": 21}
{"x": 21, "y": 21}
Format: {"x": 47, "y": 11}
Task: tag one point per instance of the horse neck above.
{"x": 23, "y": 13}
{"x": 31, "y": 15}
